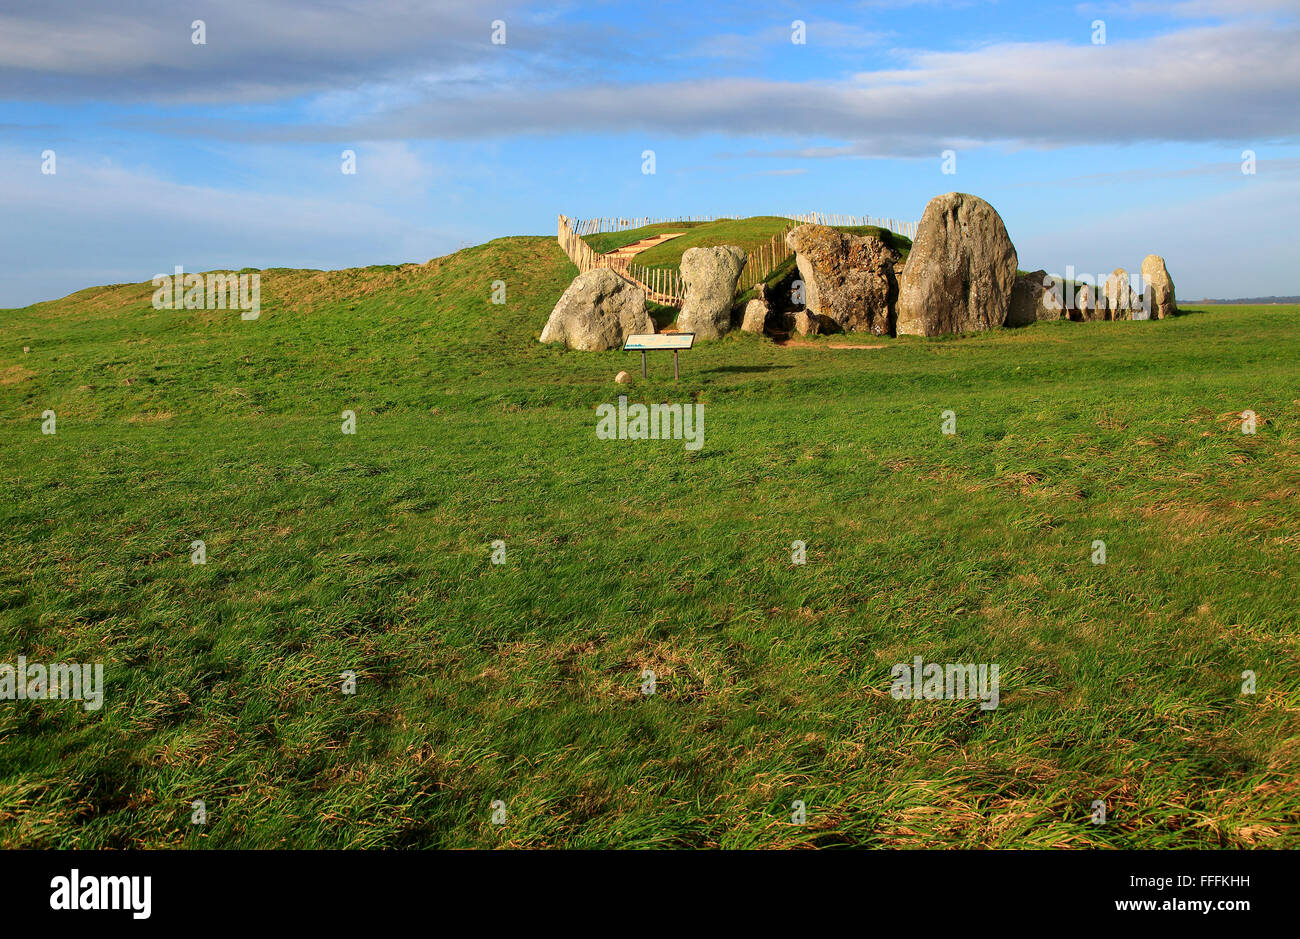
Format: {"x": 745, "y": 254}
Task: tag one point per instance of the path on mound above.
{"x": 632, "y": 250}
{"x": 617, "y": 260}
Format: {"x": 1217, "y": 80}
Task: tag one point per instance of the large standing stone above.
{"x": 598, "y": 311}
{"x": 1159, "y": 286}
{"x": 1118, "y": 295}
{"x": 847, "y": 278}
{"x": 710, "y": 275}
{"x": 960, "y": 271}
{"x": 1032, "y": 300}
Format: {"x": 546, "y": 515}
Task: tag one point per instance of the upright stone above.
{"x": 848, "y": 279}
{"x": 1118, "y": 295}
{"x": 1159, "y": 286}
{"x": 961, "y": 269}
{"x": 710, "y": 275}
{"x": 1032, "y": 300}
{"x": 1085, "y": 303}
{"x": 598, "y": 311}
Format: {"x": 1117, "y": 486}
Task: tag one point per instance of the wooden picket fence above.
{"x": 897, "y": 226}
{"x": 661, "y": 285}
{"x": 579, "y": 251}
{"x": 666, "y": 286}
{"x": 763, "y": 260}
{"x": 595, "y": 226}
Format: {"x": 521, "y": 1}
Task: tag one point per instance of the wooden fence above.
{"x": 663, "y": 285}
{"x": 594, "y": 226}
{"x": 763, "y": 260}
{"x": 898, "y": 227}
{"x": 579, "y": 251}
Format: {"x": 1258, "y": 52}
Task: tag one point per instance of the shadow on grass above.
{"x": 745, "y": 368}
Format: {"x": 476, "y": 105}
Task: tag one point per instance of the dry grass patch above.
{"x": 15, "y": 374}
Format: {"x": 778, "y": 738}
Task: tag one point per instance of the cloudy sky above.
{"x": 228, "y": 154}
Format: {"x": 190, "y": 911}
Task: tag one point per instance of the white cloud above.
{"x": 1191, "y": 9}
{"x": 255, "y": 49}
{"x": 1195, "y": 84}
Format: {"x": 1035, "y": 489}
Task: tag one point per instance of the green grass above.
{"x": 605, "y": 242}
{"x": 900, "y": 243}
{"x": 371, "y": 552}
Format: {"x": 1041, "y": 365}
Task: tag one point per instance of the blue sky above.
{"x": 228, "y": 154}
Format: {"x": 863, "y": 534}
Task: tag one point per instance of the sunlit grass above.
{"x": 521, "y": 682}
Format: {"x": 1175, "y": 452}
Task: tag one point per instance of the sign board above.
{"x": 653, "y": 341}
{"x": 656, "y": 342}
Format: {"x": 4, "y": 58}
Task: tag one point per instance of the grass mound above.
{"x": 605, "y": 242}
{"x": 748, "y": 233}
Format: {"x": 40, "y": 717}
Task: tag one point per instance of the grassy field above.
{"x": 520, "y": 682}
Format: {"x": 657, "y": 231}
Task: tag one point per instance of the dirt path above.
{"x": 636, "y": 247}
{"x": 619, "y": 258}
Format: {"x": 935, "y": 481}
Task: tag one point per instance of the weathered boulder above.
{"x": 756, "y": 312}
{"x": 710, "y": 275}
{"x": 1117, "y": 293}
{"x": 804, "y": 323}
{"x": 598, "y": 311}
{"x": 1031, "y": 300}
{"x": 622, "y": 378}
{"x": 1159, "y": 287}
{"x": 847, "y": 278}
{"x": 960, "y": 271}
